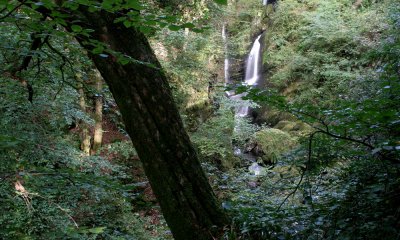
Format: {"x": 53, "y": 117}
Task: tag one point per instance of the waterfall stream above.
{"x": 253, "y": 71}
{"x": 253, "y": 63}
{"x": 252, "y": 74}
{"x": 226, "y": 61}
{"x": 224, "y": 35}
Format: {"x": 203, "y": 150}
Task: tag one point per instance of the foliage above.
{"x": 243, "y": 131}
{"x": 48, "y": 188}
{"x": 213, "y": 139}
{"x": 334, "y": 70}
{"x": 332, "y": 66}
{"x": 367, "y": 108}
{"x": 346, "y": 200}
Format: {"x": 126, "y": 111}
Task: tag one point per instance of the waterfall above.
{"x": 252, "y": 74}
{"x": 226, "y": 61}
{"x": 265, "y": 2}
{"x": 253, "y": 63}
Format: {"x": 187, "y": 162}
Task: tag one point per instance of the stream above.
{"x": 253, "y": 71}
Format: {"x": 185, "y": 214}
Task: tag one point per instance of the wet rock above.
{"x": 257, "y": 170}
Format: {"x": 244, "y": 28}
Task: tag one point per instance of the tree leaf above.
{"x": 76, "y": 28}
{"x": 222, "y": 2}
{"x": 188, "y": 25}
{"x": 97, "y": 230}
{"x": 127, "y": 23}
{"x": 174, "y": 27}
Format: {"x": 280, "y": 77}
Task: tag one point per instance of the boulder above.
{"x": 271, "y": 143}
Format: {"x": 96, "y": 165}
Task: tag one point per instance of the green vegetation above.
{"x": 272, "y": 143}
{"x": 326, "y": 137}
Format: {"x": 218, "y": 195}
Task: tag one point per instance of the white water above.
{"x": 253, "y": 63}
{"x": 265, "y": 2}
{"x": 252, "y": 74}
{"x": 226, "y": 61}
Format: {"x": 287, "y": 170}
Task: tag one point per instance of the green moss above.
{"x": 273, "y": 143}
{"x": 271, "y": 116}
{"x": 285, "y": 126}
{"x": 294, "y": 128}
{"x": 197, "y": 114}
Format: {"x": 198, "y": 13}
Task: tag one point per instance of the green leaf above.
{"x": 145, "y": 29}
{"x": 92, "y": 9}
{"x": 151, "y": 22}
{"x": 124, "y": 60}
{"x": 7, "y": 142}
{"x": 197, "y": 30}
{"x": 3, "y": 3}
{"x": 127, "y": 23}
{"x": 107, "y": 4}
{"x": 76, "y": 28}
{"x": 134, "y": 4}
{"x": 188, "y": 25}
{"x": 222, "y": 2}
{"x": 174, "y": 27}
{"x": 97, "y": 230}
{"x": 98, "y": 50}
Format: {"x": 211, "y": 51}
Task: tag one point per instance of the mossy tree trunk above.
{"x": 151, "y": 117}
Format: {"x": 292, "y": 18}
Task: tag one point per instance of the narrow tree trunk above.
{"x": 186, "y": 42}
{"x": 98, "y": 114}
{"x": 85, "y": 134}
{"x": 155, "y": 127}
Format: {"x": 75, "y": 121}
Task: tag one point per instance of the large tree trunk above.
{"x": 155, "y": 127}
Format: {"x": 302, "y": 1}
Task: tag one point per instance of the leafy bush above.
{"x": 213, "y": 139}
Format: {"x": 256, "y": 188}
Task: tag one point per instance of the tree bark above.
{"x": 85, "y": 134}
{"x": 152, "y": 120}
{"x": 98, "y": 113}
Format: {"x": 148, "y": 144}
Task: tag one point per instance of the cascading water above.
{"x": 226, "y": 62}
{"x": 265, "y": 2}
{"x": 252, "y": 77}
{"x": 253, "y": 63}
{"x": 252, "y": 74}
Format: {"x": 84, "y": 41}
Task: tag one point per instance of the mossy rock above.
{"x": 285, "y": 126}
{"x": 286, "y": 171}
{"x": 197, "y": 114}
{"x": 273, "y": 143}
{"x": 294, "y": 128}
{"x": 271, "y": 117}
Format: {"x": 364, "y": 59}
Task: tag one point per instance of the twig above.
{"x": 59, "y": 207}
{"x": 12, "y": 10}
{"x": 36, "y": 44}
{"x": 304, "y": 170}
{"x": 293, "y": 192}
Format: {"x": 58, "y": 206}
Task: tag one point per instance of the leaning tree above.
{"x": 123, "y": 55}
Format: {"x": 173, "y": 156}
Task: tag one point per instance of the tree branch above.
{"x": 36, "y": 44}
{"x": 12, "y": 10}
